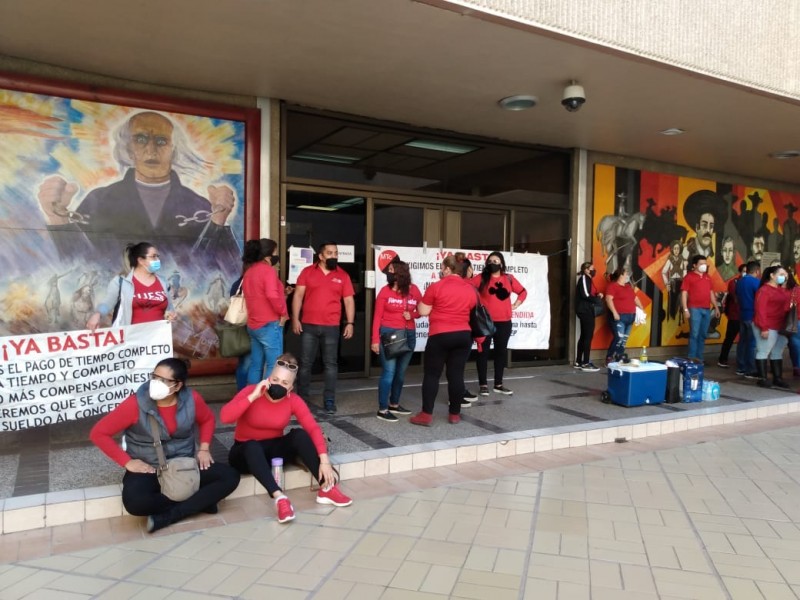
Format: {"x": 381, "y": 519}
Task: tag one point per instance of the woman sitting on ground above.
{"x": 182, "y": 416}
{"x": 261, "y": 413}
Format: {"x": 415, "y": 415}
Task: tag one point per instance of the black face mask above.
{"x": 592, "y": 272}
{"x": 330, "y": 263}
{"x": 391, "y": 278}
{"x": 276, "y": 391}
{"x": 493, "y": 267}
{"x": 274, "y": 260}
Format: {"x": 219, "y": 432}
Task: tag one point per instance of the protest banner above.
{"x": 530, "y": 328}
{"x": 54, "y": 377}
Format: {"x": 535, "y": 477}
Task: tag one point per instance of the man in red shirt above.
{"x": 321, "y": 288}
{"x": 696, "y": 295}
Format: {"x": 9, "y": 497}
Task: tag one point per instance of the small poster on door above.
{"x": 299, "y": 259}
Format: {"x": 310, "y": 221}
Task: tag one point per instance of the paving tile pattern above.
{"x": 697, "y": 515}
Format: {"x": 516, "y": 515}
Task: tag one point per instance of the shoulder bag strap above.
{"x": 162, "y": 461}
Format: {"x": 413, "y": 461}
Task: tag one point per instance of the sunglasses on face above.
{"x": 286, "y": 365}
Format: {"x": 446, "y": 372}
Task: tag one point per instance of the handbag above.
{"x": 480, "y": 322}
{"x": 394, "y": 343}
{"x": 790, "y": 325}
{"x": 598, "y": 306}
{"x": 179, "y": 477}
{"x": 237, "y": 310}
{"x": 233, "y": 340}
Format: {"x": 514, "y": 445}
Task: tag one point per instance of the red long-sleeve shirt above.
{"x": 389, "y": 308}
{"x": 772, "y": 304}
{"x": 127, "y": 414}
{"x": 264, "y": 419}
{"x": 500, "y": 310}
{"x": 263, "y": 295}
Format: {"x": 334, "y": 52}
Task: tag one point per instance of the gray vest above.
{"x": 139, "y": 437}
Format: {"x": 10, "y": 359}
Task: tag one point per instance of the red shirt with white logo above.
{"x": 322, "y": 302}
{"x": 389, "y": 308}
{"x": 149, "y": 302}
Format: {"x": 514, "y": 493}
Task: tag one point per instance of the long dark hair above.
{"x": 403, "y": 275}
{"x": 133, "y": 252}
{"x": 615, "y": 275}
{"x": 765, "y": 276}
{"x": 257, "y": 250}
{"x": 486, "y": 275}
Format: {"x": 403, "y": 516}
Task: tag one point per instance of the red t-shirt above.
{"x": 772, "y": 304}
{"x": 450, "y": 300}
{"x": 496, "y": 296}
{"x": 127, "y": 414}
{"x": 149, "y": 302}
{"x": 322, "y": 302}
{"x": 263, "y": 295}
{"x": 264, "y": 419}
{"x": 698, "y": 287}
{"x": 624, "y": 297}
{"x": 389, "y": 308}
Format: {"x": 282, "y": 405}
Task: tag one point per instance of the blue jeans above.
{"x": 699, "y": 319}
{"x": 393, "y": 371}
{"x": 266, "y": 345}
{"x": 794, "y": 350}
{"x": 746, "y": 349}
{"x": 772, "y": 347}
{"x": 242, "y": 370}
{"x": 620, "y": 330}
{"x": 311, "y": 339}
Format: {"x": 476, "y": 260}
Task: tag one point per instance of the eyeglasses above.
{"x": 166, "y": 380}
{"x": 286, "y": 365}
{"x": 153, "y": 256}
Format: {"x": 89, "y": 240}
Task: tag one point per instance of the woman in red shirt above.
{"x": 448, "y": 302}
{"x": 266, "y": 306}
{"x": 395, "y": 311}
{"x": 773, "y": 301}
{"x": 622, "y": 302}
{"x": 261, "y": 413}
{"x": 183, "y": 417}
{"x": 141, "y": 296}
{"x": 495, "y": 287}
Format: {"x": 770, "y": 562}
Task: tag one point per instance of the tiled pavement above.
{"x": 706, "y": 513}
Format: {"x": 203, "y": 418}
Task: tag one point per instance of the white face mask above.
{"x": 158, "y": 390}
{"x": 702, "y": 268}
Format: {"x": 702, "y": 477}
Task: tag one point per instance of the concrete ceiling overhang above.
{"x": 416, "y": 63}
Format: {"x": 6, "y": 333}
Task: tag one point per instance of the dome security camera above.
{"x": 574, "y": 97}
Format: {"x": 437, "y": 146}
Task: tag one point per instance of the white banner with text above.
{"x": 530, "y": 322}
{"x": 54, "y": 377}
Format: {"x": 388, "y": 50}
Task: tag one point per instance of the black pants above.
{"x": 731, "y": 331}
{"x": 141, "y": 493}
{"x": 450, "y": 350}
{"x": 255, "y": 456}
{"x": 586, "y": 319}
{"x": 501, "y": 336}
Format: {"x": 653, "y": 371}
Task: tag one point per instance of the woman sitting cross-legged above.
{"x": 261, "y": 413}
{"x": 182, "y": 416}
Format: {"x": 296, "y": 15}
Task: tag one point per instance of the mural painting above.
{"x": 80, "y": 179}
{"x": 652, "y": 224}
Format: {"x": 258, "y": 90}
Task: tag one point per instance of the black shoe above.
{"x": 211, "y": 510}
{"x": 590, "y": 367}
{"x": 776, "y": 366}
{"x": 484, "y": 390}
{"x": 501, "y": 389}
{"x": 753, "y": 375}
{"x": 465, "y": 403}
{"x": 469, "y": 395}
{"x": 387, "y": 416}
{"x": 156, "y": 522}
{"x": 724, "y": 365}
{"x": 399, "y": 410}
{"x": 330, "y": 408}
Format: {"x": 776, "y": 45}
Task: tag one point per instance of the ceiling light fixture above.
{"x": 437, "y": 146}
{"x": 784, "y": 154}
{"x": 672, "y": 131}
{"x": 518, "y": 102}
{"x": 312, "y": 207}
{"x": 339, "y": 159}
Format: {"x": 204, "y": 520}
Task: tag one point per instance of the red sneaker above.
{"x": 421, "y": 418}
{"x": 333, "y": 496}
{"x": 454, "y": 419}
{"x": 285, "y": 510}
